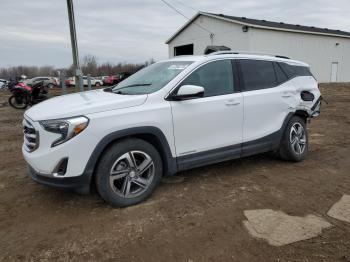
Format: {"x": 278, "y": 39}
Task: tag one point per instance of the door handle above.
{"x": 286, "y": 95}
{"x": 232, "y": 103}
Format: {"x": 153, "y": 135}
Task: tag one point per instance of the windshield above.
{"x": 151, "y": 78}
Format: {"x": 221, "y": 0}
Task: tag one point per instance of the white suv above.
{"x": 94, "y": 81}
{"x": 173, "y": 115}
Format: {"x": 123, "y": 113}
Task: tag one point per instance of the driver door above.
{"x": 211, "y": 126}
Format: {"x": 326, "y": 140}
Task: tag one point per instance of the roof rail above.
{"x": 282, "y": 56}
{"x": 246, "y": 53}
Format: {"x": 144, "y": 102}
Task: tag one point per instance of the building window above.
{"x": 183, "y": 50}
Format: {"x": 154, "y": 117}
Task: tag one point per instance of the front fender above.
{"x": 165, "y": 152}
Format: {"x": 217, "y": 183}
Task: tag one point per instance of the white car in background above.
{"x": 48, "y": 81}
{"x": 3, "y": 83}
{"x": 173, "y": 115}
{"x": 94, "y": 81}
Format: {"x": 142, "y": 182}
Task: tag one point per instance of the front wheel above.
{"x": 295, "y": 141}
{"x": 128, "y": 172}
{"x": 97, "y": 84}
{"x": 19, "y": 101}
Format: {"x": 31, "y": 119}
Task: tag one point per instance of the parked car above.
{"x": 57, "y": 81}
{"x": 49, "y": 82}
{"x": 171, "y": 116}
{"x": 113, "y": 80}
{"x": 94, "y": 81}
{"x": 101, "y": 77}
{"x": 3, "y": 83}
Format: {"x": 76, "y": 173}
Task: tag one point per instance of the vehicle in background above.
{"x": 100, "y": 77}
{"x": 24, "y": 95}
{"x": 113, "y": 80}
{"x": 3, "y": 83}
{"x": 48, "y": 81}
{"x": 94, "y": 81}
{"x": 57, "y": 81}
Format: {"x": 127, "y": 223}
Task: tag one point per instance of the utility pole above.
{"x": 73, "y": 39}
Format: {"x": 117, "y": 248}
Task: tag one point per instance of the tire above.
{"x": 97, "y": 84}
{"x": 118, "y": 179}
{"x": 295, "y": 141}
{"x": 19, "y": 101}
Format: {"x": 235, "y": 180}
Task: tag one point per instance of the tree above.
{"x": 89, "y": 65}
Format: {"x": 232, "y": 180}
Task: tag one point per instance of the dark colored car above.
{"x": 113, "y": 80}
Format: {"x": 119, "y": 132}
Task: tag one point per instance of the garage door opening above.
{"x": 183, "y": 50}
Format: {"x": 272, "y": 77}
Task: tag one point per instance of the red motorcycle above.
{"x": 24, "y": 95}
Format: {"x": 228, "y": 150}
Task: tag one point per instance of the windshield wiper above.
{"x": 144, "y": 84}
{"x": 118, "y": 91}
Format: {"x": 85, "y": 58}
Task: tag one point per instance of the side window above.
{"x": 280, "y": 75}
{"x": 257, "y": 74}
{"x": 293, "y": 70}
{"x": 216, "y": 78}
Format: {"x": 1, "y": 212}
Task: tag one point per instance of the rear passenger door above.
{"x": 266, "y": 96}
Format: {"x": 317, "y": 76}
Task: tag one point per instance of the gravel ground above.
{"x": 197, "y": 217}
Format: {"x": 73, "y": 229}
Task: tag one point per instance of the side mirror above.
{"x": 187, "y": 92}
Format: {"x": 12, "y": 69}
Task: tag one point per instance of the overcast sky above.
{"x": 36, "y": 32}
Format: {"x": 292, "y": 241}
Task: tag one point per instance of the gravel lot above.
{"x": 197, "y": 218}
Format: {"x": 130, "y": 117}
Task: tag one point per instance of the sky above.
{"x": 36, "y": 32}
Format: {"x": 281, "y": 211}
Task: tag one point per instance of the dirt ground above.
{"x": 197, "y": 218}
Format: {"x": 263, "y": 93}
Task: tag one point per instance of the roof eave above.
{"x": 248, "y": 24}
{"x": 183, "y": 27}
{"x": 272, "y": 27}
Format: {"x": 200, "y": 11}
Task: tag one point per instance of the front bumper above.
{"x": 79, "y": 184}
{"x": 45, "y": 159}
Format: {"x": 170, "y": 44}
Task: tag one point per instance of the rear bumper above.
{"x": 316, "y": 108}
{"x": 79, "y": 184}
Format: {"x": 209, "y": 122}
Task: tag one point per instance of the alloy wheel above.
{"x": 132, "y": 174}
{"x": 297, "y": 138}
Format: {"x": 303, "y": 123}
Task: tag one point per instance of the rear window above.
{"x": 294, "y": 70}
{"x": 257, "y": 74}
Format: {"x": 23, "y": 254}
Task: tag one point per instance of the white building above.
{"x": 326, "y": 51}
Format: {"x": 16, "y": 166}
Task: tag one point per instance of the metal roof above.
{"x": 264, "y": 24}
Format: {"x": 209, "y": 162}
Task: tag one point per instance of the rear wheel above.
{"x": 19, "y": 101}
{"x": 97, "y": 84}
{"x": 128, "y": 172}
{"x": 295, "y": 143}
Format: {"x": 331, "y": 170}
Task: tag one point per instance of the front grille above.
{"x": 31, "y": 136}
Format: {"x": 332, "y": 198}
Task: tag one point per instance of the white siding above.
{"x": 317, "y": 50}
{"x": 225, "y": 33}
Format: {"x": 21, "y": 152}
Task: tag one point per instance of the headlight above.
{"x": 67, "y": 128}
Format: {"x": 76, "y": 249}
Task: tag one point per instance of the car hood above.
{"x": 81, "y": 104}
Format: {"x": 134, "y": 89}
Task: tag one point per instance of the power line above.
{"x": 177, "y": 11}
{"x": 185, "y": 5}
